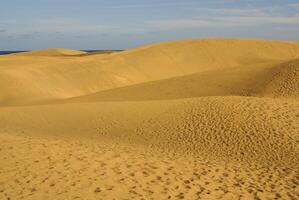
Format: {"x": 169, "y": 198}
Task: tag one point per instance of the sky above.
{"x": 122, "y": 24}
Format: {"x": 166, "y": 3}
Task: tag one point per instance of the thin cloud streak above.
{"x": 294, "y": 5}
{"x": 228, "y": 17}
{"x": 166, "y": 4}
{"x": 55, "y": 25}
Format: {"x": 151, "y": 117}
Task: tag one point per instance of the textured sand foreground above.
{"x": 195, "y": 119}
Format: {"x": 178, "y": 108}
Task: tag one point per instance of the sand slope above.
{"x": 265, "y": 131}
{"x": 271, "y": 79}
{"x": 194, "y": 119}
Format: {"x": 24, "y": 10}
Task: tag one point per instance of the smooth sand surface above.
{"x": 193, "y": 119}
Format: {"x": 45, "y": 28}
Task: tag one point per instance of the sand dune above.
{"x": 49, "y": 78}
{"x": 195, "y": 119}
{"x": 51, "y": 52}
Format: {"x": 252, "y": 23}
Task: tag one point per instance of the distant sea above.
{"x": 9, "y": 52}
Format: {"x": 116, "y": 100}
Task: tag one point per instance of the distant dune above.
{"x": 191, "y": 119}
{"x": 51, "y": 52}
{"x": 60, "y": 77}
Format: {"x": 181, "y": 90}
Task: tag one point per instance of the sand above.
{"x": 191, "y": 119}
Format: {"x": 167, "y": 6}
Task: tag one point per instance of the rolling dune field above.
{"x": 189, "y": 119}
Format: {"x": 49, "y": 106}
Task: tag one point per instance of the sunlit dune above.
{"x": 190, "y": 119}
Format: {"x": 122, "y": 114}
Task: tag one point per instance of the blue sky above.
{"x": 121, "y": 24}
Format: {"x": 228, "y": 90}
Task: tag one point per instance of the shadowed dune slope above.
{"x": 34, "y": 79}
{"x": 261, "y": 80}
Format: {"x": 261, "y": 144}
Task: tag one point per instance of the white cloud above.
{"x": 162, "y": 4}
{"x": 207, "y": 17}
{"x": 183, "y": 24}
{"x": 294, "y": 5}
{"x": 227, "y": 17}
{"x": 264, "y": 20}
{"x": 237, "y": 12}
{"x": 53, "y": 26}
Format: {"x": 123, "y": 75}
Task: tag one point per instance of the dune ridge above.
{"x": 191, "y": 119}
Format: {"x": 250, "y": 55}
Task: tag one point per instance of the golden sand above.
{"x": 193, "y": 119}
